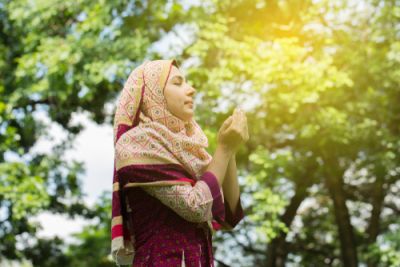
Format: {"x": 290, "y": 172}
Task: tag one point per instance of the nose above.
{"x": 191, "y": 90}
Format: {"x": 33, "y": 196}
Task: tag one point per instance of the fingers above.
{"x": 246, "y": 133}
{"x": 238, "y": 110}
{"x": 239, "y": 114}
{"x": 240, "y": 123}
{"x": 226, "y": 123}
{"x": 239, "y": 117}
{"x": 237, "y": 122}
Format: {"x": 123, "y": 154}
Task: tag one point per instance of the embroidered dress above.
{"x": 161, "y": 191}
{"x": 164, "y": 238}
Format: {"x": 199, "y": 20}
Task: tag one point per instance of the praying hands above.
{"x": 234, "y": 131}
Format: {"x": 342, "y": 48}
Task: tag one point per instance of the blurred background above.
{"x": 319, "y": 81}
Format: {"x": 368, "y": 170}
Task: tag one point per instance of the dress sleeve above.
{"x": 222, "y": 213}
{"x": 195, "y": 203}
{"x": 232, "y": 218}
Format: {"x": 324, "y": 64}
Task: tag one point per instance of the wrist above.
{"x": 226, "y": 150}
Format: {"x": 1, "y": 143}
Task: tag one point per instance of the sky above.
{"x": 94, "y": 147}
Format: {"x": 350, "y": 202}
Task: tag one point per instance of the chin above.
{"x": 188, "y": 117}
{"x": 188, "y": 114}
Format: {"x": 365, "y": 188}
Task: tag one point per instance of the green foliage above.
{"x": 26, "y": 193}
{"x": 319, "y": 92}
{"x": 60, "y": 58}
{"x": 318, "y": 80}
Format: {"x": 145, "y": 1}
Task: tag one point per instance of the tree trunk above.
{"x": 276, "y": 249}
{"x": 348, "y": 246}
{"x": 378, "y": 196}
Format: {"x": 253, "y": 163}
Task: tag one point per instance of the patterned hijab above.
{"x": 150, "y": 144}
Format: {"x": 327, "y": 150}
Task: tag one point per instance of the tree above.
{"x": 318, "y": 117}
{"x": 318, "y": 79}
{"x": 60, "y": 58}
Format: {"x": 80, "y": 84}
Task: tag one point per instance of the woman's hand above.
{"x": 234, "y": 131}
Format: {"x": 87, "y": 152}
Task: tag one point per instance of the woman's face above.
{"x": 179, "y": 95}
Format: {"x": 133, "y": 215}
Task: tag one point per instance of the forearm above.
{"x": 219, "y": 163}
{"x": 230, "y": 185}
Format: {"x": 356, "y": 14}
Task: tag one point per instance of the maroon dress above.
{"x": 163, "y": 238}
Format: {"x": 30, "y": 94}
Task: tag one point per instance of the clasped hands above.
{"x": 234, "y": 131}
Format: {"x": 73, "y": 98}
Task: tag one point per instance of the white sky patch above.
{"x": 59, "y": 225}
{"x": 94, "y": 147}
{"x": 172, "y": 43}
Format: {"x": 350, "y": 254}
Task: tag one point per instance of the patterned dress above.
{"x": 170, "y": 222}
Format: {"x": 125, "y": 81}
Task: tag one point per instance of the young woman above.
{"x": 169, "y": 194}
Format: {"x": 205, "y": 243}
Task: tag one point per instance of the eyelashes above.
{"x": 177, "y": 80}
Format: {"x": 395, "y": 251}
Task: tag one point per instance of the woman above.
{"x": 169, "y": 194}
